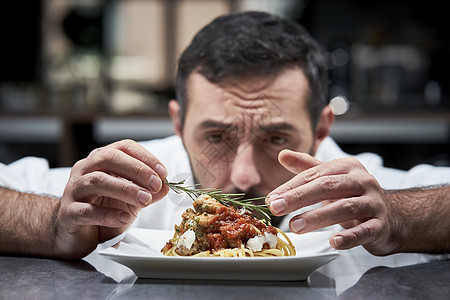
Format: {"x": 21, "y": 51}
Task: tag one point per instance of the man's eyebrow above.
{"x": 215, "y": 124}
{"x": 264, "y": 127}
{"x": 276, "y": 127}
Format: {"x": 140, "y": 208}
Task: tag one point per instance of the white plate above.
{"x": 140, "y": 251}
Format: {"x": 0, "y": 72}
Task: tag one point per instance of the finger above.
{"x": 364, "y": 233}
{"x": 335, "y": 167}
{"x": 139, "y": 152}
{"x": 352, "y": 168}
{"x": 338, "y": 212}
{"x": 81, "y": 214}
{"x": 297, "y": 162}
{"x": 324, "y": 188}
{"x": 161, "y": 194}
{"x": 119, "y": 163}
{"x": 115, "y": 203}
{"x": 101, "y": 184}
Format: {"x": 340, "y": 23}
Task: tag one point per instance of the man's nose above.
{"x": 244, "y": 173}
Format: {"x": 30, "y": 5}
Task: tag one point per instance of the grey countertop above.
{"x": 355, "y": 274}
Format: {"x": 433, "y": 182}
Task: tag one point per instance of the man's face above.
{"x": 233, "y": 132}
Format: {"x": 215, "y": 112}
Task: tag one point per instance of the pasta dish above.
{"x": 216, "y": 230}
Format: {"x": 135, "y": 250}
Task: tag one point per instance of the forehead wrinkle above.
{"x": 248, "y": 89}
{"x": 242, "y": 100}
{"x": 248, "y": 101}
{"x": 257, "y": 104}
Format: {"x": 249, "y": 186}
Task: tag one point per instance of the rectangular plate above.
{"x": 140, "y": 251}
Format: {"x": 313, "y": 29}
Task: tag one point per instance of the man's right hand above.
{"x": 104, "y": 194}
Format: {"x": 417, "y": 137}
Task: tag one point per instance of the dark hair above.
{"x": 253, "y": 44}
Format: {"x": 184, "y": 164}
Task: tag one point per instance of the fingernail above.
{"x": 298, "y": 225}
{"x": 124, "y": 217}
{"x": 271, "y": 198}
{"x": 278, "y": 206}
{"x": 155, "y": 183}
{"x": 144, "y": 197}
{"x": 338, "y": 240}
{"x": 162, "y": 172}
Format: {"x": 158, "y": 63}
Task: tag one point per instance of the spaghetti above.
{"x": 215, "y": 230}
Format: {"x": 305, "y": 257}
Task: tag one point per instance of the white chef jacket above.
{"x": 33, "y": 174}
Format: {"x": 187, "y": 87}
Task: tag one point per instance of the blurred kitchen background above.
{"x": 78, "y": 74}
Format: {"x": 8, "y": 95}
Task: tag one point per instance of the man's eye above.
{"x": 276, "y": 140}
{"x": 215, "y": 138}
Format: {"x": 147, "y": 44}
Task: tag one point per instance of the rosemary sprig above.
{"x": 237, "y": 200}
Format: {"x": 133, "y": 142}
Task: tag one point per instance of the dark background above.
{"x": 421, "y": 26}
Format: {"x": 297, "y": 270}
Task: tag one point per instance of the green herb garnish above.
{"x": 237, "y": 200}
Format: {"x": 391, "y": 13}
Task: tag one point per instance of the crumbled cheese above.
{"x": 187, "y": 239}
{"x": 256, "y": 243}
{"x": 271, "y": 239}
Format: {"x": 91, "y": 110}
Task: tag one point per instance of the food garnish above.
{"x": 236, "y": 200}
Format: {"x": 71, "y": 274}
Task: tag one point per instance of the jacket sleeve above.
{"x": 389, "y": 178}
{"x": 33, "y": 175}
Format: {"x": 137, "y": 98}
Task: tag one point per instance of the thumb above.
{"x": 297, "y": 162}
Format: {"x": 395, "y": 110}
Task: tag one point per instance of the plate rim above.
{"x": 282, "y": 268}
{"x": 109, "y": 252}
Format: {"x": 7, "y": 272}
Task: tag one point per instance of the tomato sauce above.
{"x": 218, "y": 227}
{"x": 229, "y": 228}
